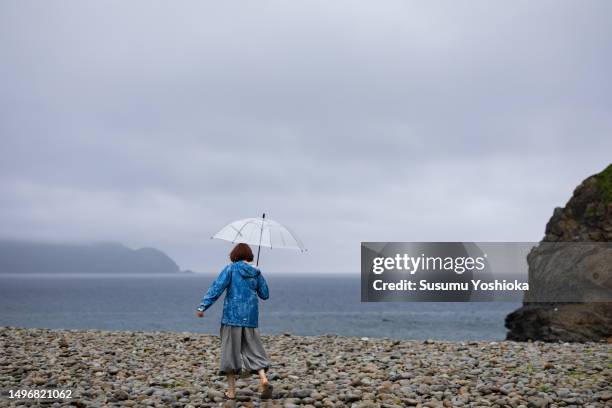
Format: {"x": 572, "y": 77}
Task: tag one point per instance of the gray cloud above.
{"x": 154, "y": 124}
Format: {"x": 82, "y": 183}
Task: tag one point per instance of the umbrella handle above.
{"x": 260, "y": 235}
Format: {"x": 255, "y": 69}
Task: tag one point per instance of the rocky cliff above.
{"x": 585, "y": 268}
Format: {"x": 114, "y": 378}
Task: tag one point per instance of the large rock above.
{"x": 581, "y": 272}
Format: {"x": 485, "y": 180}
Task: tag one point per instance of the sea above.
{"x": 299, "y": 304}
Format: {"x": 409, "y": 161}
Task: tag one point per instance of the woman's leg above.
{"x": 264, "y": 386}
{"x": 255, "y": 359}
{"x": 263, "y": 380}
{"x": 254, "y": 356}
{"x": 231, "y": 360}
{"x": 231, "y": 386}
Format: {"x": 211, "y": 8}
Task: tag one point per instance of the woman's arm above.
{"x": 262, "y": 287}
{"x": 216, "y": 289}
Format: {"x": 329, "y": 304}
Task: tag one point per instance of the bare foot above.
{"x": 262, "y": 385}
{"x": 266, "y": 390}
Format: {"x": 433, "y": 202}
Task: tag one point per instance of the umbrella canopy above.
{"x": 261, "y": 232}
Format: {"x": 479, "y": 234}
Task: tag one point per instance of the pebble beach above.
{"x": 164, "y": 369}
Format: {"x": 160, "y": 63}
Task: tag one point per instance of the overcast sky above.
{"x": 155, "y": 123}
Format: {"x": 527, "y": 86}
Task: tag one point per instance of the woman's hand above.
{"x": 200, "y": 313}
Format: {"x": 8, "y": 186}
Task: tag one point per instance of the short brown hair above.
{"x": 241, "y": 252}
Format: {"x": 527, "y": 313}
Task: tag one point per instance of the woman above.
{"x": 240, "y": 342}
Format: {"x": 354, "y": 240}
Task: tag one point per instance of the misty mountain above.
{"x": 38, "y": 257}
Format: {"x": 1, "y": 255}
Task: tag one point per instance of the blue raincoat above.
{"x": 244, "y": 284}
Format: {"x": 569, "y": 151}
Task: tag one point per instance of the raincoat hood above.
{"x": 246, "y": 270}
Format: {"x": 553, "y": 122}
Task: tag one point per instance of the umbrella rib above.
{"x": 240, "y": 230}
{"x": 236, "y": 229}
{"x": 297, "y": 239}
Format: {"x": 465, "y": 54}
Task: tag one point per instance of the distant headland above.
{"x": 106, "y": 257}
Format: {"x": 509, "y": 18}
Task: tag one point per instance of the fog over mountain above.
{"x": 155, "y": 124}
{"x": 108, "y": 257}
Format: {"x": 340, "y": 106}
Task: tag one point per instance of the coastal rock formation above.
{"x": 571, "y": 258}
{"x": 163, "y": 369}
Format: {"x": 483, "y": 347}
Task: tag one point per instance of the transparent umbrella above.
{"x": 261, "y": 232}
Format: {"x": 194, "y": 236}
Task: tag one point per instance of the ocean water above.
{"x": 303, "y": 305}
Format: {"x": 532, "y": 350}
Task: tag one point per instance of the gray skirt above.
{"x": 241, "y": 351}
